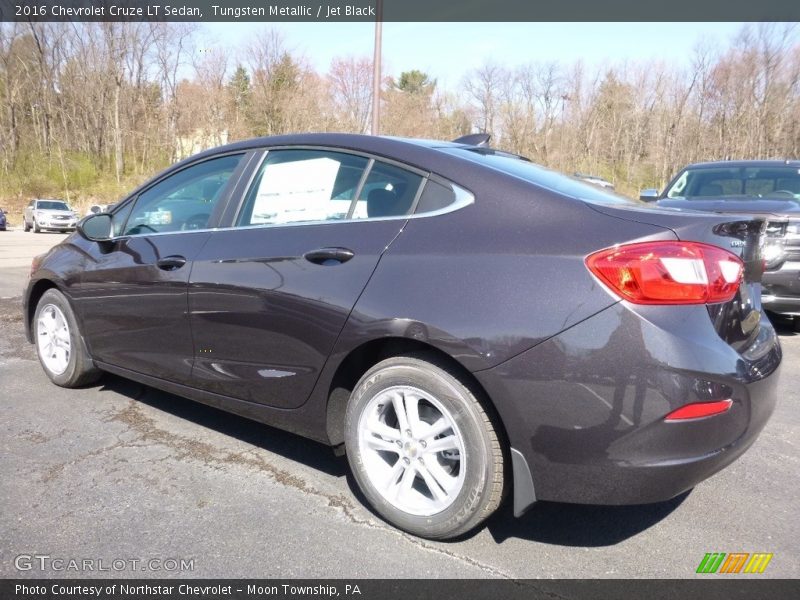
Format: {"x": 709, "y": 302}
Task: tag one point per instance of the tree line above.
{"x": 89, "y": 109}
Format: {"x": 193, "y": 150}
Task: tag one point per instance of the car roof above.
{"x": 421, "y": 153}
{"x": 737, "y": 164}
{"x": 342, "y": 140}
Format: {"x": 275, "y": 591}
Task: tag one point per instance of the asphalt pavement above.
{"x": 122, "y": 472}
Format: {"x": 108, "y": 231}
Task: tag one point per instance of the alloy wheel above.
{"x": 412, "y": 450}
{"x": 53, "y": 339}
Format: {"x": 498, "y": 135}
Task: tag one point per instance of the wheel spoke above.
{"x": 400, "y": 410}
{"x": 391, "y": 482}
{"x": 442, "y": 477}
{"x": 409, "y": 475}
{"x": 377, "y": 443}
{"x": 412, "y": 415}
{"x": 446, "y": 443}
{"x": 436, "y": 490}
{"x": 438, "y": 427}
{"x": 384, "y": 431}
{"x": 61, "y": 355}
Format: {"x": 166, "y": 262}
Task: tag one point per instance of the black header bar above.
{"x": 400, "y": 10}
{"x": 712, "y": 587}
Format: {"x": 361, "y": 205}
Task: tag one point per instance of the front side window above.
{"x": 183, "y": 201}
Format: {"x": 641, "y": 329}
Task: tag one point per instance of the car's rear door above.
{"x": 269, "y": 295}
{"x": 132, "y": 295}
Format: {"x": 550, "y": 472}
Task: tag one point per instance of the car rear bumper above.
{"x": 781, "y": 289}
{"x": 585, "y": 409}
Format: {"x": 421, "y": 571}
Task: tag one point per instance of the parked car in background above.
{"x": 767, "y": 188}
{"x": 3, "y": 220}
{"x": 595, "y": 180}
{"x": 47, "y": 214}
{"x": 418, "y": 305}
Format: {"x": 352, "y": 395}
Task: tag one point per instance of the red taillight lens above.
{"x": 699, "y": 410}
{"x": 670, "y": 272}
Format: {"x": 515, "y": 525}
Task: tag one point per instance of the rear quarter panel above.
{"x": 493, "y": 279}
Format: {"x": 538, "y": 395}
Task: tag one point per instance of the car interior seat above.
{"x": 386, "y": 203}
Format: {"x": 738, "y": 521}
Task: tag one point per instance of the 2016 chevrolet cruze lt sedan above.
{"x": 462, "y": 322}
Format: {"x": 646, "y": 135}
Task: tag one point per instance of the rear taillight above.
{"x": 699, "y": 410}
{"x": 669, "y": 272}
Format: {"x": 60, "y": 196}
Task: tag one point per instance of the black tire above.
{"x": 482, "y": 489}
{"x": 36, "y": 228}
{"x": 25, "y": 226}
{"x": 80, "y": 370}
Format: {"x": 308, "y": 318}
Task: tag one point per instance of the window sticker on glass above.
{"x": 296, "y": 191}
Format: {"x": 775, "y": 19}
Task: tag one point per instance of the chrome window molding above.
{"x": 464, "y": 197}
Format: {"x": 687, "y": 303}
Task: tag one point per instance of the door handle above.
{"x": 171, "y": 263}
{"x": 329, "y": 256}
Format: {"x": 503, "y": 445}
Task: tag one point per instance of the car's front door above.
{"x": 270, "y": 295}
{"x": 132, "y": 294}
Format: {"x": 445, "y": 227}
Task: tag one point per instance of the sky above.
{"x": 447, "y": 51}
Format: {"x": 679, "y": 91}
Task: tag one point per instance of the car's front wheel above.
{"x": 62, "y": 352}
{"x": 422, "y": 448}
{"x": 36, "y": 228}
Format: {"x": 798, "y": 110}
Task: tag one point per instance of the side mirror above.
{"x": 649, "y": 195}
{"x": 96, "y": 228}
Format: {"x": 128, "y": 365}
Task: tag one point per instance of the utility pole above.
{"x": 376, "y": 70}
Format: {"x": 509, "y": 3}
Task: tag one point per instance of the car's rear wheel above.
{"x": 423, "y": 448}
{"x": 62, "y": 351}
{"x": 25, "y": 226}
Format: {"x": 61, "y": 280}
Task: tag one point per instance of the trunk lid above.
{"x": 738, "y": 322}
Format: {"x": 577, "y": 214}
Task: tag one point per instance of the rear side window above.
{"x": 389, "y": 191}
{"x": 435, "y": 196}
{"x": 299, "y": 186}
{"x": 295, "y": 186}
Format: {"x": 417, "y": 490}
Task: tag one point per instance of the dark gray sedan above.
{"x": 461, "y": 322}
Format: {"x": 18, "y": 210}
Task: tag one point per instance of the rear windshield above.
{"x": 737, "y": 182}
{"x": 51, "y": 205}
{"x": 541, "y": 176}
